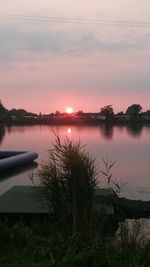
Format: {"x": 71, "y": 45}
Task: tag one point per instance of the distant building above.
{"x": 14, "y": 118}
{"x": 123, "y": 117}
{"x": 97, "y": 116}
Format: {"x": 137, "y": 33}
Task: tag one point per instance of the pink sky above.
{"x": 47, "y": 66}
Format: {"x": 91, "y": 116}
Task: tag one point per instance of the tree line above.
{"x": 19, "y": 113}
{"x": 134, "y": 112}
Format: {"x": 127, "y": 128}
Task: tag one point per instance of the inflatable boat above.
{"x": 12, "y": 159}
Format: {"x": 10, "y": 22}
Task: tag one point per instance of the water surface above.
{"x": 128, "y": 146}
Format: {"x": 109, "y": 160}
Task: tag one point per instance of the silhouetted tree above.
{"x": 3, "y": 110}
{"x": 134, "y": 110}
{"x": 20, "y": 113}
{"x": 80, "y": 113}
{"x": 57, "y": 112}
{"x": 120, "y": 113}
{"x": 107, "y": 111}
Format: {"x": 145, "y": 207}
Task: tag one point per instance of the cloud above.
{"x": 91, "y": 43}
{"x": 14, "y": 42}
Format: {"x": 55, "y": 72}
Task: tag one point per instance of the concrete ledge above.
{"x": 29, "y": 200}
{"x": 23, "y": 199}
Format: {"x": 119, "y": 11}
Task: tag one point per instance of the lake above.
{"x": 128, "y": 146}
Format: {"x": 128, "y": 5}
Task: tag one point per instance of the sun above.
{"x": 69, "y": 110}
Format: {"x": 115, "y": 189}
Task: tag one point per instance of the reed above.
{"x": 69, "y": 179}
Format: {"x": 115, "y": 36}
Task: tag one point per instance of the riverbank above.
{"x": 74, "y": 121}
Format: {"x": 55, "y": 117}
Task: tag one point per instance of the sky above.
{"x": 83, "y": 54}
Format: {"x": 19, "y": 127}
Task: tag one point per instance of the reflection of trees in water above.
{"x": 134, "y": 130}
{"x": 120, "y": 128}
{"x": 2, "y": 133}
{"x": 107, "y": 131}
{"x": 20, "y": 129}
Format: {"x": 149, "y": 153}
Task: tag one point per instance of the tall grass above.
{"x": 133, "y": 234}
{"x": 69, "y": 179}
{"x": 116, "y": 184}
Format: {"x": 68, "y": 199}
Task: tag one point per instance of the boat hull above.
{"x": 12, "y": 159}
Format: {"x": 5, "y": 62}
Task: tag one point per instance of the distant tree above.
{"x": 3, "y": 110}
{"x": 107, "y": 111}
{"x": 57, "y": 112}
{"x": 80, "y": 113}
{"x": 134, "y": 110}
{"x": 32, "y": 114}
{"x": 52, "y": 114}
{"x": 20, "y": 113}
{"x": 17, "y": 112}
{"x": 120, "y": 113}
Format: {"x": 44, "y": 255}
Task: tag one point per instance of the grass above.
{"x": 27, "y": 246}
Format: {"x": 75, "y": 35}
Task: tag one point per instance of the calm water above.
{"x": 130, "y": 147}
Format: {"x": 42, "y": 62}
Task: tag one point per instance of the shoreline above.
{"x": 75, "y": 122}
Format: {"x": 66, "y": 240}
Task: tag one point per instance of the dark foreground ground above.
{"x": 31, "y": 241}
{"x": 35, "y": 245}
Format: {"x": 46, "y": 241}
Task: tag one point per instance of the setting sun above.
{"x": 69, "y": 110}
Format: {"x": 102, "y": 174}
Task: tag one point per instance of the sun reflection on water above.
{"x": 69, "y": 131}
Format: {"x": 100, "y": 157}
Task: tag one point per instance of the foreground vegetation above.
{"x": 35, "y": 245}
{"x": 75, "y": 234}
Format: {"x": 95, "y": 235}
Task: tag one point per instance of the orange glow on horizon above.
{"x": 69, "y": 110}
